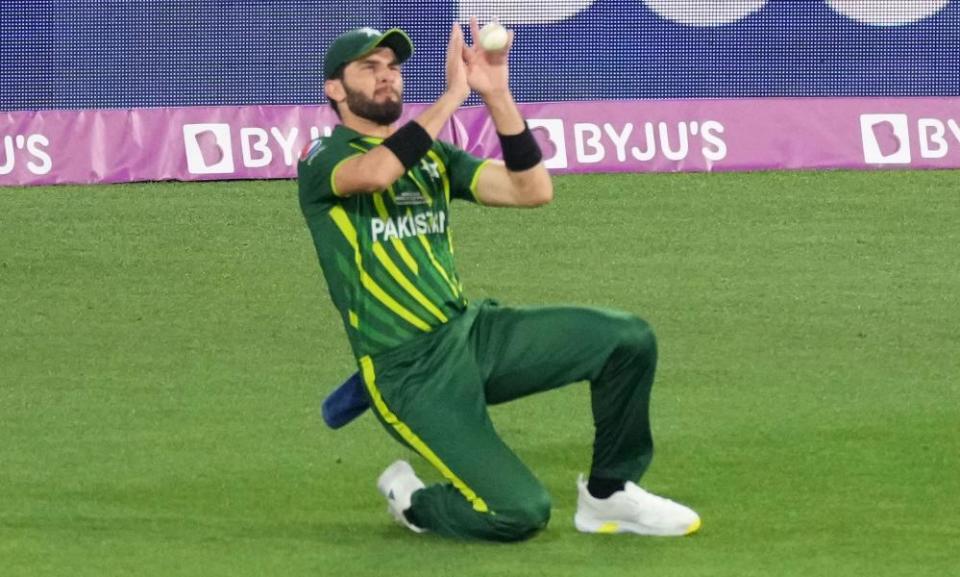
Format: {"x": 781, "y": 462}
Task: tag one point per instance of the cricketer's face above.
{"x": 374, "y": 87}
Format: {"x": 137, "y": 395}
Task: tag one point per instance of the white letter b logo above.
{"x": 886, "y": 138}
{"x": 208, "y": 148}
{"x": 552, "y": 140}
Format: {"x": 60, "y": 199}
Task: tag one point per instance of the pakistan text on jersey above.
{"x": 409, "y": 225}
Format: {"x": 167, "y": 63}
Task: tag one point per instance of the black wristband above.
{"x": 409, "y": 144}
{"x": 520, "y": 151}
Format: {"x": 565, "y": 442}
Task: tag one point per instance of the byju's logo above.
{"x": 886, "y": 138}
{"x": 209, "y": 149}
{"x": 33, "y": 146}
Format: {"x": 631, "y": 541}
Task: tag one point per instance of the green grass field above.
{"x": 164, "y": 349}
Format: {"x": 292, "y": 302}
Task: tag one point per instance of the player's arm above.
{"x": 382, "y": 165}
{"x": 498, "y": 186}
{"x": 522, "y": 179}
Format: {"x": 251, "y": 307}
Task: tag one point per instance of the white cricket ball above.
{"x": 494, "y": 37}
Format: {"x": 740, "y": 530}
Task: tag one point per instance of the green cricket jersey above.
{"x": 388, "y": 256}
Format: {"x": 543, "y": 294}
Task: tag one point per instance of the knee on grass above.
{"x": 635, "y": 336}
{"x": 526, "y": 519}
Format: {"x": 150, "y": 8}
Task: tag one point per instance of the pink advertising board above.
{"x": 263, "y": 142}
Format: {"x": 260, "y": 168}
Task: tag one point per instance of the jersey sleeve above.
{"x": 463, "y": 170}
{"x": 315, "y": 171}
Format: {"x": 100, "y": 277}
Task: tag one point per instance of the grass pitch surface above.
{"x": 164, "y": 348}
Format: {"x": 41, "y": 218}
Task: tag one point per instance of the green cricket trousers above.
{"x": 432, "y": 394}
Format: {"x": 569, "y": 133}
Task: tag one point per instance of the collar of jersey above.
{"x": 350, "y": 135}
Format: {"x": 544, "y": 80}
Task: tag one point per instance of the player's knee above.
{"x": 528, "y": 518}
{"x": 636, "y": 336}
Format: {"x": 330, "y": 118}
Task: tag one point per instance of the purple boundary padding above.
{"x": 262, "y": 142}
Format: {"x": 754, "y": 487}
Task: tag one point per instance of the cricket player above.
{"x": 376, "y": 197}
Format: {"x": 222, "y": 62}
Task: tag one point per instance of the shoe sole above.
{"x": 615, "y": 527}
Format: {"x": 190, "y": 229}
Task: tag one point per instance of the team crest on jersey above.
{"x": 430, "y": 168}
{"x": 409, "y": 198}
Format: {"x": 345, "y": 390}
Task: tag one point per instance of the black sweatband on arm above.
{"x": 409, "y": 144}
{"x": 520, "y": 151}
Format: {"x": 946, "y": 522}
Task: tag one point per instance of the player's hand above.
{"x": 486, "y": 71}
{"x": 456, "y": 68}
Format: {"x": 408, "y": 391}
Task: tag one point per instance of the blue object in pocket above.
{"x": 345, "y": 403}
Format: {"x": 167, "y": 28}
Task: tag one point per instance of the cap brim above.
{"x": 396, "y": 40}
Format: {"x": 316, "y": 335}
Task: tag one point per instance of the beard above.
{"x": 382, "y": 113}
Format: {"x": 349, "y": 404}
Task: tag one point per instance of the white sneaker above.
{"x": 632, "y": 510}
{"x": 397, "y": 484}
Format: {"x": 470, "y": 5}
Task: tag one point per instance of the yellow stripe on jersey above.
{"x": 354, "y": 319}
{"x": 342, "y": 221}
{"x": 437, "y": 265}
{"x": 422, "y": 187}
{"x": 442, "y": 169}
{"x": 370, "y": 379}
{"x": 397, "y": 243}
{"x": 404, "y": 282}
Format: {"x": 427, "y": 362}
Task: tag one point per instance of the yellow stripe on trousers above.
{"x": 370, "y": 379}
